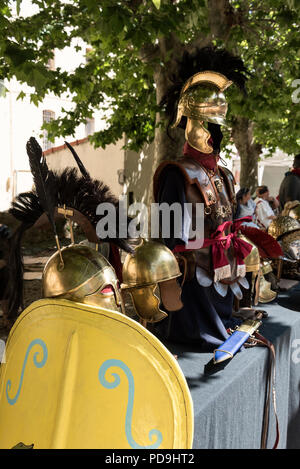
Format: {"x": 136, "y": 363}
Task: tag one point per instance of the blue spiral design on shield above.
{"x": 37, "y": 360}
{"x": 128, "y": 420}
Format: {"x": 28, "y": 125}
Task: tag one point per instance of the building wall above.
{"x": 21, "y": 119}
{"x": 101, "y": 164}
{"x": 138, "y": 173}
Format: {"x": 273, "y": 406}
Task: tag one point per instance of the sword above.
{"x": 233, "y": 344}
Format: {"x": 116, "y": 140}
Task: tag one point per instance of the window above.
{"x": 48, "y": 116}
{"x": 89, "y": 126}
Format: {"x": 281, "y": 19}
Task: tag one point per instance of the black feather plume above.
{"x": 81, "y": 166}
{"x": 44, "y": 179}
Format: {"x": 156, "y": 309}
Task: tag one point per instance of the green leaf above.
{"x": 21, "y": 95}
{"x": 18, "y": 6}
{"x": 157, "y": 3}
{"x": 2, "y": 89}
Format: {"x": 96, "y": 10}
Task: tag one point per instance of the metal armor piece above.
{"x": 202, "y": 100}
{"x": 195, "y": 133}
{"x": 282, "y": 225}
{"x": 150, "y": 265}
{"x": 295, "y": 212}
{"x": 265, "y": 293}
{"x": 266, "y": 267}
{"x": 252, "y": 261}
{"x": 86, "y": 277}
{"x": 291, "y": 245}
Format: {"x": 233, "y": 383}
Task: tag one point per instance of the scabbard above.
{"x": 234, "y": 343}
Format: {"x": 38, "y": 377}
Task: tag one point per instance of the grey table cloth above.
{"x": 229, "y": 403}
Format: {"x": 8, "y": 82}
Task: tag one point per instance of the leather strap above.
{"x": 270, "y": 390}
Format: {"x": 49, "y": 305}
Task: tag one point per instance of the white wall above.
{"x": 21, "y": 119}
{"x": 101, "y": 164}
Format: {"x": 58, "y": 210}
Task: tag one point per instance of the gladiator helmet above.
{"x": 197, "y": 96}
{"x": 283, "y": 225}
{"x": 152, "y": 266}
{"x": 292, "y": 209}
{"x": 77, "y": 272}
{"x": 86, "y": 277}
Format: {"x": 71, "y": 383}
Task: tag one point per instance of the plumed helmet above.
{"x": 152, "y": 264}
{"x": 282, "y": 225}
{"x": 197, "y": 95}
{"x": 85, "y": 277}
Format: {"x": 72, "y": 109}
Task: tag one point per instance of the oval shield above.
{"x": 78, "y": 376}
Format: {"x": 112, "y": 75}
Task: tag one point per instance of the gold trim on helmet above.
{"x": 207, "y": 76}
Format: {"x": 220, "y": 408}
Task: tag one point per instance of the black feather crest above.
{"x": 81, "y": 166}
{"x": 70, "y": 190}
{"x": 43, "y": 179}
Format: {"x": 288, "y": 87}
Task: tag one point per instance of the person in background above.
{"x": 246, "y": 207}
{"x": 290, "y": 186}
{"x": 264, "y": 212}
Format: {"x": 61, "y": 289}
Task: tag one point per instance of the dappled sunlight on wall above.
{"x": 138, "y": 174}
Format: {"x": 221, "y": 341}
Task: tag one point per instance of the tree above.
{"x": 135, "y": 45}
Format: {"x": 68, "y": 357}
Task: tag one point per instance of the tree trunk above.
{"x": 167, "y": 148}
{"x": 249, "y": 151}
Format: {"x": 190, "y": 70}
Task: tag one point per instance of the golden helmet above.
{"x": 202, "y": 100}
{"x": 152, "y": 264}
{"x": 282, "y": 225}
{"x": 85, "y": 277}
{"x": 252, "y": 261}
{"x": 291, "y": 245}
{"x": 294, "y": 212}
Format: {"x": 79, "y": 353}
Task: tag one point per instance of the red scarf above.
{"x": 209, "y": 161}
{"x": 296, "y": 171}
{"x": 220, "y": 243}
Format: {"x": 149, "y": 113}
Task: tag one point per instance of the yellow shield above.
{"x": 78, "y": 376}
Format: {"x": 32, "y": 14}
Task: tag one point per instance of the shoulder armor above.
{"x": 193, "y": 174}
{"x": 229, "y": 180}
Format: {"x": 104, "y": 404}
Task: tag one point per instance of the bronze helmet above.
{"x": 75, "y": 197}
{"x": 291, "y": 245}
{"x": 152, "y": 265}
{"x": 85, "y": 277}
{"x": 196, "y": 95}
{"x": 293, "y": 209}
{"x": 202, "y": 100}
{"x": 282, "y": 225}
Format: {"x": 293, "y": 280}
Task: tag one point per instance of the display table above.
{"x": 229, "y": 403}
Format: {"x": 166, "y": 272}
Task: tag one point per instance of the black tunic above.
{"x": 205, "y": 315}
{"x": 289, "y": 188}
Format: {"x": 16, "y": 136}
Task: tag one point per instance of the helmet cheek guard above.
{"x": 202, "y": 100}
{"x": 152, "y": 268}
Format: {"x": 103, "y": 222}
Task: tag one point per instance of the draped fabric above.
{"x": 206, "y": 314}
